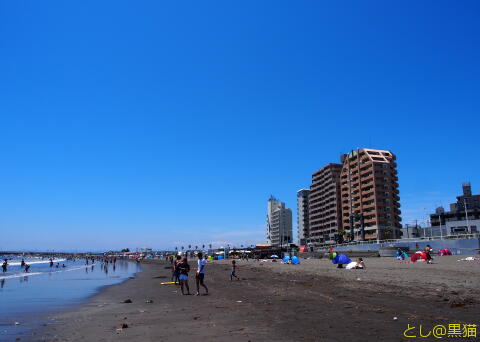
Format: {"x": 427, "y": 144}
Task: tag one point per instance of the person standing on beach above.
{"x": 4, "y": 266}
{"x": 176, "y": 270}
{"x": 200, "y": 276}
{"x": 184, "y": 268}
{"x": 234, "y": 270}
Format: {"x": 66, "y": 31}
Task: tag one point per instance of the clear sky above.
{"x": 167, "y": 123}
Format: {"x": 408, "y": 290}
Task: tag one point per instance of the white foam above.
{"x": 35, "y": 262}
{"x": 57, "y": 270}
{"x": 19, "y": 275}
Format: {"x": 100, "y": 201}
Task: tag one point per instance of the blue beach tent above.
{"x": 286, "y": 258}
{"x": 341, "y": 259}
{"x": 295, "y": 260}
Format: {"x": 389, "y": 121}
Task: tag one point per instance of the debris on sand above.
{"x": 127, "y": 301}
{"x": 149, "y": 301}
{"x": 124, "y": 325}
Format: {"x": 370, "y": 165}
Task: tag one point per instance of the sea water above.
{"x": 27, "y": 298}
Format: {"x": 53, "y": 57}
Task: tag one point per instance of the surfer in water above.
{"x": 23, "y": 263}
{"x": 4, "y": 266}
{"x": 27, "y": 267}
{"x": 51, "y": 262}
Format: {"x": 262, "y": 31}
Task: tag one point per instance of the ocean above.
{"x": 26, "y": 299}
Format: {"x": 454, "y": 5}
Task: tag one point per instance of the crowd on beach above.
{"x": 181, "y": 269}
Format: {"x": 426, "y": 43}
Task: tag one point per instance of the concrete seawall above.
{"x": 457, "y": 246}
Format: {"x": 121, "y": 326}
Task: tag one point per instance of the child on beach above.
{"x": 234, "y": 269}
{"x": 200, "y": 276}
{"x": 184, "y": 268}
{"x": 428, "y": 250}
{"x": 360, "y": 264}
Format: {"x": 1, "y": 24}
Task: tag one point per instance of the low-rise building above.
{"x": 463, "y": 217}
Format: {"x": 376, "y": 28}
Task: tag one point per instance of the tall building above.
{"x": 279, "y": 223}
{"x": 325, "y": 216}
{"x": 464, "y": 215}
{"x": 302, "y": 215}
{"x": 369, "y": 190}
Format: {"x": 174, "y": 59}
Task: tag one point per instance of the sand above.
{"x": 313, "y": 301}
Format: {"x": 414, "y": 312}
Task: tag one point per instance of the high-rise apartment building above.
{"x": 325, "y": 216}
{"x": 279, "y": 223}
{"x": 302, "y": 215}
{"x": 370, "y": 195}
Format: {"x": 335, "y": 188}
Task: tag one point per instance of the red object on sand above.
{"x": 445, "y": 251}
{"x": 303, "y": 249}
{"x": 419, "y": 255}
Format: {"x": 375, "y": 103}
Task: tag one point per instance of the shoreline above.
{"x": 32, "y": 318}
{"x": 309, "y": 302}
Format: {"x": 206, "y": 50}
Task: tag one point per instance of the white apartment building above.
{"x": 279, "y": 223}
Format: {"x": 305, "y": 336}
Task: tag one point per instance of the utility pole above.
{"x": 440, "y": 224}
{"x": 466, "y": 215}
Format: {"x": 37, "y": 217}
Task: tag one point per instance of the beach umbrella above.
{"x": 274, "y": 256}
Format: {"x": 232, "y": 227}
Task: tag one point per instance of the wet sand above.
{"x": 313, "y": 301}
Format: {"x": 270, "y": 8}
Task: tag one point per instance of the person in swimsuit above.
{"x": 184, "y": 268}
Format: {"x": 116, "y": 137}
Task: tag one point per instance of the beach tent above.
{"x": 286, "y": 259}
{"x": 295, "y": 260}
{"x": 341, "y": 259}
{"x": 445, "y": 251}
{"x": 220, "y": 257}
{"x": 419, "y": 256}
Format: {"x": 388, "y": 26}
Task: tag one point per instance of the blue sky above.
{"x": 158, "y": 124}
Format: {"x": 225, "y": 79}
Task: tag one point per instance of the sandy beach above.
{"x": 313, "y": 301}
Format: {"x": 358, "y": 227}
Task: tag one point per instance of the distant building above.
{"x": 370, "y": 195}
{"x": 302, "y": 215}
{"x": 279, "y": 223}
{"x": 325, "y": 215}
{"x": 463, "y": 217}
